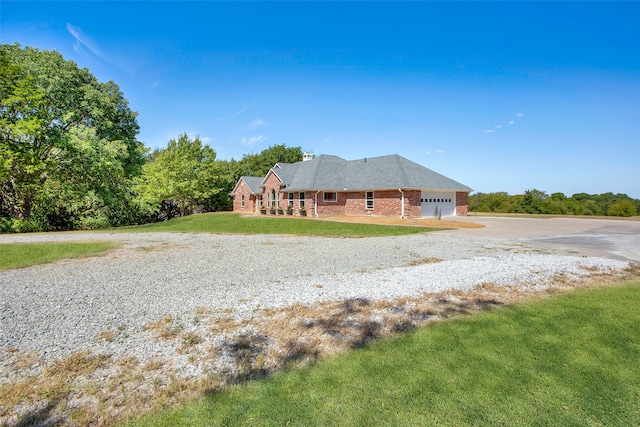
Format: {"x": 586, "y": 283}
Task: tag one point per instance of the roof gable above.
{"x": 252, "y": 182}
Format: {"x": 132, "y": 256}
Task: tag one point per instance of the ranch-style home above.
{"x": 327, "y": 185}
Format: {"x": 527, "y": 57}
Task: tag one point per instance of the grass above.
{"x": 570, "y": 360}
{"x": 234, "y": 223}
{"x": 18, "y": 255}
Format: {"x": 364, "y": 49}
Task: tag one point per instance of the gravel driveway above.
{"x": 170, "y": 313}
{"x": 63, "y": 307}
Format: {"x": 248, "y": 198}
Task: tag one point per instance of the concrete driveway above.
{"x": 619, "y": 239}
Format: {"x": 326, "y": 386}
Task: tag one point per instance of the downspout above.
{"x": 315, "y": 203}
{"x": 401, "y": 203}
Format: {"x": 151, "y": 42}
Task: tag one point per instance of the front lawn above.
{"x": 234, "y": 223}
{"x": 17, "y": 255}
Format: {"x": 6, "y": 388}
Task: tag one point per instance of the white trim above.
{"x": 366, "y": 200}
{"x": 324, "y": 197}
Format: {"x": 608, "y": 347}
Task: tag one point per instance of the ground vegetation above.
{"x": 539, "y": 202}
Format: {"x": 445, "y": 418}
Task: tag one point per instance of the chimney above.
{"x": 307, "y": 156}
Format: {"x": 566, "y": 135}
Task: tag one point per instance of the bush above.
{"x": 25, "y": 226}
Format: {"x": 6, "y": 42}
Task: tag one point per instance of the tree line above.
{"x": 70, "y": 159}
{"x": 539, "y": 202}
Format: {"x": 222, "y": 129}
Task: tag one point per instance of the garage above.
{"x": 440, "y": 202}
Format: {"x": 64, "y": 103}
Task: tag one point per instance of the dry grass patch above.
{"x": 428, "y": 260}
{"x": 107, "y": 336}
{"x": 166, "y": 328}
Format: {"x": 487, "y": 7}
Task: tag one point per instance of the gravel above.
{"x": 57, "y": 309}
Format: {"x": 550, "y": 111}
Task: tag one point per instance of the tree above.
{"x": 624, "y": 207}
{"x": 531, "y": 202}
{"x": 259, "y": 164}
{"x": 184, "y": 172}
{"x": 52, "y": 114}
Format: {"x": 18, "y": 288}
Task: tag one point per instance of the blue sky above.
{"x": 501, "y": 96}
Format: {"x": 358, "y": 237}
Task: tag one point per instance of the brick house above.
{"x": 328, "y": 185}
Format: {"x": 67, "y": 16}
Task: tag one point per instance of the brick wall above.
{"x": 412, "y": 204}
{"x": 353, "y": 203}
{"x": 272, "y": 186}
{"x": 249, "y": 200}
{"x": 385, "y": 203}
{"x": 462, "y": 204}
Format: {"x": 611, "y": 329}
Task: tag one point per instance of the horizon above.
{"x": 502, "y": 97}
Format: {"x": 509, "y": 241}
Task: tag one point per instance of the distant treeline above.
{"x": 538, "y": 202}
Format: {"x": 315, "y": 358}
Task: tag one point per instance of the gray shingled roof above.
{"x": 253, "y": 182}
{"x": 377, "y": 173}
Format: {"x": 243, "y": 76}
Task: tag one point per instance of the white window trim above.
{"x": 242, "y": 201}
{"x": 301, "y": 199}
{"x": 324, "y": 197}
{"x": 367, "y": 199}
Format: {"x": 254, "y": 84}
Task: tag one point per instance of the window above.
{"x": 330, "y": 196}
{"x": 369, "y": 200}
{"x": 242, "y": 201}
{"x": 290, "y": 199}
{"x": 301, "y": 199}
{"x": 272, "y": 199}
{"x": 260, "y": 200}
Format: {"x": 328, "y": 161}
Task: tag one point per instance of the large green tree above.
{"x": 185, "y": 172}
{"x": 67, "y": 141}
{"x": 259, "y": 164}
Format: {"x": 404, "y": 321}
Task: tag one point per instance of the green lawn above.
{"x": 17, "y": 255}
{"x": 227, "y": 222}
{"x": 570, "y": 360}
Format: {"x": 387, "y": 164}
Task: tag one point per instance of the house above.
{"x": 330, "y": 186}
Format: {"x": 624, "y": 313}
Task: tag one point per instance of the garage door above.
{"x": 444, "y": 202}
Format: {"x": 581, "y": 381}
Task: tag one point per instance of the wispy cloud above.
{"x": 435, "y": 152}
{"x": 256, "y": 124}
{"x": 250, "y": 142}
{"x": 492, "y": 129}
{"x": 84, "y": 43}
{"x": 238, "y": 113}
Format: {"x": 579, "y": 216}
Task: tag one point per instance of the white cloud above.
{"x": 82, "y": 41}
{"x": 498, "y": 126}
{"x": 519, "y": 114}
{"x": 250, "y": 142}
{"x": 511, "y": 122}
{"x": 435, "y": 152}
{"x": 489, "y": 131}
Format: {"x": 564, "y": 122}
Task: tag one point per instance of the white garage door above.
{"x": 444, "y": 202}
